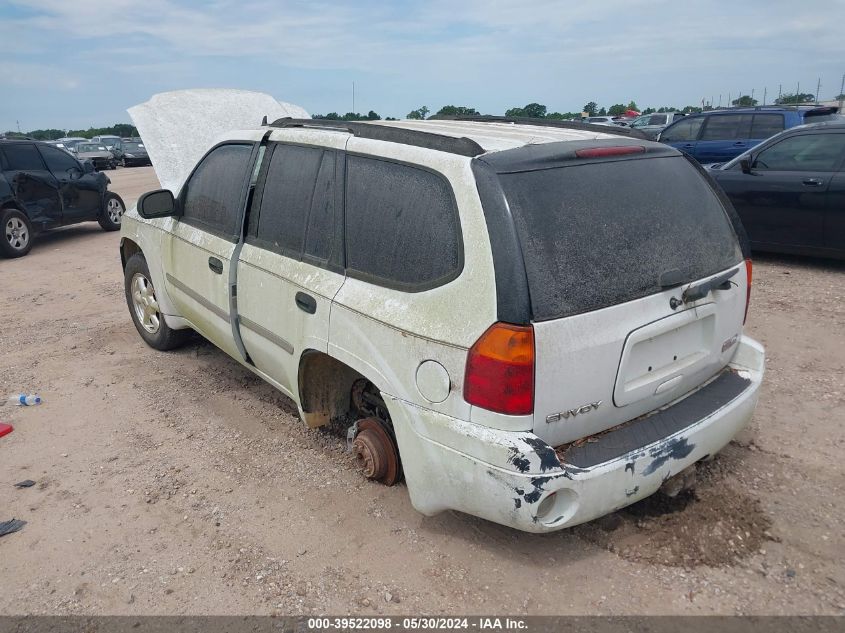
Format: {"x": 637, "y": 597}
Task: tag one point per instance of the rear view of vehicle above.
{"x": 620, "y": 346}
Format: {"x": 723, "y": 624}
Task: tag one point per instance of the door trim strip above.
{"x": 265, "y": 333}
{"x": 193, "y": 294}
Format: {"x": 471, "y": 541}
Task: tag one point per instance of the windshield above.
{"x": 133, "y": 147}
{"x": 602, "y": 233}
{"x": 91, "y": 147}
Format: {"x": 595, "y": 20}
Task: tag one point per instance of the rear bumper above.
{"x": 505, "y": 476}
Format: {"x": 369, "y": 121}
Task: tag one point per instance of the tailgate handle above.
{"x": 813, "y": 182}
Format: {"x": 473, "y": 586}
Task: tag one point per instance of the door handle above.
{"x": 813, "y": 182}
{"x": 306, "y": 303}
{"x": 215, "y": 265}
{"x": 739, "y": 144}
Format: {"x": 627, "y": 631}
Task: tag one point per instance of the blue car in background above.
{"x": 717, "y": 136}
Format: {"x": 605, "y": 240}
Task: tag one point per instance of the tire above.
{"x": 143, "y": 307}
{"x": 15, "y": 233}
{"x": 112, "y": 212}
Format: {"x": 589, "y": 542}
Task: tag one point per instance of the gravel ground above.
{"x": 179, "y": 483}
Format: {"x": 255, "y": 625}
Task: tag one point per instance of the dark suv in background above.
{"x": 42, "y": 187}
{"x": 717, "y": 136}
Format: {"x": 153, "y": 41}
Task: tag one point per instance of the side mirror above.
{"x": 87, "y": 167}
{"x": 745, "y": 165}
{"x": 157, "y": 204}
{"x": 74, "y": 173}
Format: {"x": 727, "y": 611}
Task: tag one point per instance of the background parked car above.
{"x": 790, "y": 191}
{"x": 652, "y": 124}
{"x": 607, "y": 120}
{"x": 720, "y": 135}
{"x": 109, "y": 140}
{"x": 42, "y": 187}
{"x": 131, "y": 154}
{"x": 97, "y": 153}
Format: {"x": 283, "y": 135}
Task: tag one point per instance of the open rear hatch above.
{"x": 636, "y": 280}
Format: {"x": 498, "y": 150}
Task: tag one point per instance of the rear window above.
{"x": 599, "y": 234}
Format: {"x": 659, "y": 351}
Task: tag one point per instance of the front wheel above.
{"x": 112, "y": 212}
{"x": 143, "y": 306}
{"x": 16, "y": 235}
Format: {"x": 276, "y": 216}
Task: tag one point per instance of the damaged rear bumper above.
{"x": 516, "y": 479}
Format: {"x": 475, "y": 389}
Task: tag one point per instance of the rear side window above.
{"x": 657, "y": 119}
{"x": 725, "y": 127}
{"x": 211, "y": 198}
{"x": 402, "y": 226}
{"x": 599, "y": 234}
{"x": 297, "y": 209}
{"x": 22, "y": 156}
{"x": 766, "y": 125}
{"x": 685, "y": 130}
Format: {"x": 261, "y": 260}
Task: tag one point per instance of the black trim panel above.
{"x": 641, "y": 432}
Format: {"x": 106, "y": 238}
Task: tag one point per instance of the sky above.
{"x": 80, "y": 63}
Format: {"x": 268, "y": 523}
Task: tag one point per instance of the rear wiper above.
{"x": 699, "y": 291}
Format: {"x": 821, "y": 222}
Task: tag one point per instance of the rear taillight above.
{"x": 747, "y": 289}
{"x": 500, "y": 370}
{"x": 601, "y": 152}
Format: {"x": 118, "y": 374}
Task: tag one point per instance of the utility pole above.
{"x": 729, "y": 100}
{"x": 780, "y": 91}
{"x": 720, "y": 100}
{"x": 765, "y": 91}
{"x": 818, "y": 87}
{"x": 19, "y": 126}
{"x": 841, "y": 93}
{"x": 353, "y": 97}
{"x": 752, "y": 96}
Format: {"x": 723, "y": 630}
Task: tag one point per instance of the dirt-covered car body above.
{"x": 542, "y": 353}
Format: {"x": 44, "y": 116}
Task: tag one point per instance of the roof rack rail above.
{"x": 462, "y": 146}
{"x": 520, "y": 120}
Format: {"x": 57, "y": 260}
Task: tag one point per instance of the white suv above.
{"x": 536, "y": 325}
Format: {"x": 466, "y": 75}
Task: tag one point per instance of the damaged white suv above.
{"x": 537, "y": 325}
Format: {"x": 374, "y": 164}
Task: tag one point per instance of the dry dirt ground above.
{"x": 178, "y": 483}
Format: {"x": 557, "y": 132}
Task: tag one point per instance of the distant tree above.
{"x": 744, "y": 100}
{"x": 591, "y": 108}
{"x": 839, "y": 97}
{"x": 602, "y": 111}
{"x": 690, "y": 109}
{"x": 451, "y": 110}
{"x": 419, "y": 113}
{"x": 533, "y": 110}
{"x": 46, "y": 135}
{"x": 563, "y": 116}
{"x": 373, "y": 116}
{"x": 791, "y": 99}
{"x": 390, "y": 118}
{"x": 616, "y": 109}
{"x": 331, "y": 116}
{"x": 633, "y": 106}
{"x": 648, "y": 111}
{"x": 118, "y": 129}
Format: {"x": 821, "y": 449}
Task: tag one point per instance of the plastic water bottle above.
{"x": 24, "y": 400}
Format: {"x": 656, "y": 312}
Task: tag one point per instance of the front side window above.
{"x": 402, "y": 225}
{"x": 23, "y": 157}
{"x": 657, "y": 119}
{"x": 58, "y": 161}
{"x": 808, "y": 152}
{"x": 686, "y": 130}
{"x": 211, "y": 199}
